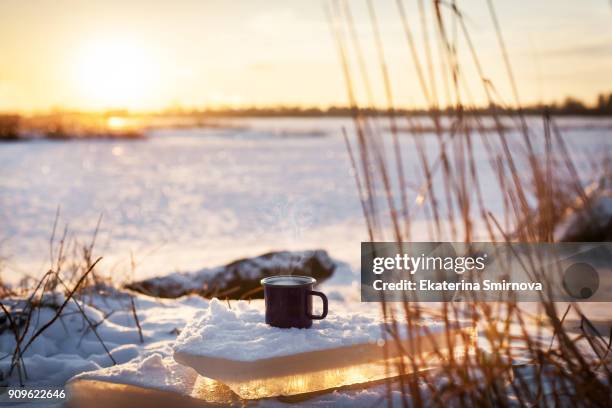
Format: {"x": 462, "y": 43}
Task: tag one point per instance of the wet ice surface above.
{"x": 185, "y": 199}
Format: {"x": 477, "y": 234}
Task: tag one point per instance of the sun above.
{"x": 113, "y": 74}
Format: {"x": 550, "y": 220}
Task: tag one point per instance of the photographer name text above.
{"x": 430, "y": 285}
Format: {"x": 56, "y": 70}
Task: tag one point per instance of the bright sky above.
{"x": 147, "y": 54}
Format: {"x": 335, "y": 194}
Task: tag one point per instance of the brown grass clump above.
{"x": 72, "y": 277}
{"x": 523, "y": 358}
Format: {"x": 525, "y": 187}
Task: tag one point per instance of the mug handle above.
{"x": 324, "y": 299}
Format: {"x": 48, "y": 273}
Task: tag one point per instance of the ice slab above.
{"x": 103, "y": 394}
{"x": 235, "y": 346}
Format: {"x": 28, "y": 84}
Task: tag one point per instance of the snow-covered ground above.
{"x": 70, "y": 350}
{"x": 70, "y": 346}
{"x": 185, "y": 199}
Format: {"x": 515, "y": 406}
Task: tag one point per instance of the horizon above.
{"x": 588, "y": 106}
{"x": 145, "y": 57}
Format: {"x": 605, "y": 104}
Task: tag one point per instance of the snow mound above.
{"x": 156, "y": 370}
{"x": 240, "y": 333}
{"x": 239, "y": 278}
{"x": 590, "y": 221}
{"x": 69, "y": 346}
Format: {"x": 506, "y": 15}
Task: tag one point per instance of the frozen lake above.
{"x": 188, "y": 198}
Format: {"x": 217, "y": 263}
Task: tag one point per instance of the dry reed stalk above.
{"x": 71, "y": 274}
{"x": 136, "y": 319}
{"x": 558, "y": 371}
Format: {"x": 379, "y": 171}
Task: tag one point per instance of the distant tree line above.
{"x": 569, "y": 106}
{"x": 574, "y": 106}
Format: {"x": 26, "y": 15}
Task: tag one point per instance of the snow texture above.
{"x": 590, "y": 220}
{"x": 67, "y": 351}
{"x": 187, "y": 198}
{"x": 69, "y": 346}
{"x": 241, "y": 277}
{"x": 155, "y": 370}
{"x": 241, "y": 334}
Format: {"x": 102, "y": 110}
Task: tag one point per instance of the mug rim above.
{"x": 306, "y": 280}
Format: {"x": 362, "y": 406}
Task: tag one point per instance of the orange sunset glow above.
{"x": 149, "y": 55}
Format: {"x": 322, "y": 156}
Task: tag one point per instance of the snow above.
{"x": 243, "y": 275}
{"x": 155, "y": 370}
{"x": 69, "y": 347}
{"x": 200, "y": 198}
{"x": 185, "y": 199}
{"x": 241, "y": 334}
{"x": 237, "y": 348}
{"x": 68, "y": 352}
{"x": 590, "y": 221}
